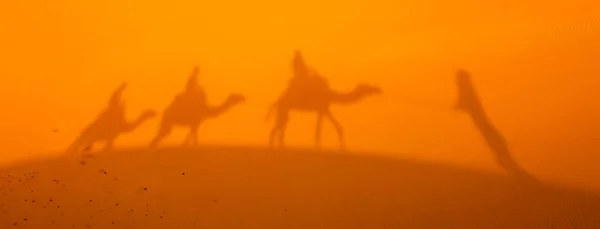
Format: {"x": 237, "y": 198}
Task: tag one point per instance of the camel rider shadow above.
{"x": 109, "y": 125}
{"x": 308, "y": 91}
{"x": 189, "y": 109}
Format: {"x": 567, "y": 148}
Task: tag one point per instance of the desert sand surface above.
{"x": 252, "y": 187}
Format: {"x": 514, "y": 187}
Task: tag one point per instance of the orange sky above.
{"x": 534, "y": 64}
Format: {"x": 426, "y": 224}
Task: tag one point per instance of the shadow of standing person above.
{"x": 469, "y": 102}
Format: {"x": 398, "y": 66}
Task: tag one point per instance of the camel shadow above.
{"x": 190, "y": 109}
{"x": 469, "y": 102}
{"x": 309, "y": 91}
{"x": 109, "y": 125}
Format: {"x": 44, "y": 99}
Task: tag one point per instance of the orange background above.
{"x": 534, "y": 63}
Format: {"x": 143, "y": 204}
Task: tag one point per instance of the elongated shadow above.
{"x": 469, "y": 102}
{"x": 309, "y": 91}
{"x": 190, "y": 109}
{"x": 109, "y": 124}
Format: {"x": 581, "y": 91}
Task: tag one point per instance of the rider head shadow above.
{"x": 469, "y": 102}
{"x": 190, "y": 109}
{"x": 109, "y": 124}
{"x": 309, "y": 91}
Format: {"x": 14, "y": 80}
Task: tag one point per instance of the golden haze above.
{"x": 534, "y": 64}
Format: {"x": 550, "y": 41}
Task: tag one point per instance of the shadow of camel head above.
{"x": 149, "y": 113}
{"x": 368, "y": 89}
{"x": 236, "y": 98}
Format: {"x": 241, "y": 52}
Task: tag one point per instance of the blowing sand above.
{"x": 234, "y": 187}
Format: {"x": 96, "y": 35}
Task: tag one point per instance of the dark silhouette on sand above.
{"x": 305, "y": 80}
{"x": 468, "y": 102}
{"x": 190, "y": 109}
{"x": 109, "y": 125}
{"x": 309, "y": 91}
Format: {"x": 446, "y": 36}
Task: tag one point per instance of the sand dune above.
{"x": 237, "y": 187}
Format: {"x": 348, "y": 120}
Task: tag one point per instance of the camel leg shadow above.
{"x": 340, "y": 131}
{"x": 164, "y": 131}
{"x": 277, "y": 137}
{"x": 320, "y": 117}
{"x": 338, "y": 128}
{"x": 191, "y": 140}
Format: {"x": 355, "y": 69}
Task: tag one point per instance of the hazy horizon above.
{"x": 533, "y": 63}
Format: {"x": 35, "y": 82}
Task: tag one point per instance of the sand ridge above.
{"x": 253, "y": 187}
